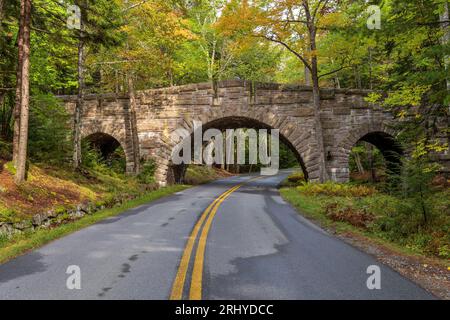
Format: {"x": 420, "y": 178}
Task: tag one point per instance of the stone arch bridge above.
{"x": 346, "y": 119}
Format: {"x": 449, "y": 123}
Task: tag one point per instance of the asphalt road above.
{"x": 255, "y": 247}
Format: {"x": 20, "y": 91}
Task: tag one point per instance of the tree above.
{"x": 412, "y": 68}
{"x": 97, "y": 25}
{"x": 296, "y": 26}
{"x": 78, "y": 112}
{"x": 215, "y": 49}
{"x": 24, "y": 95}
{"x": 18, "y": 101}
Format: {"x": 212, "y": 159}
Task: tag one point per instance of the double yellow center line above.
{"x": 195, "y": 292}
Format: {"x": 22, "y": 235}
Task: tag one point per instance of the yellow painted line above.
{"x": 195, "y": 292}
{"x": 178, "y": 285}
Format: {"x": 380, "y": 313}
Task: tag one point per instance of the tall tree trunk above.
{"x": 133, "y": 124}
{"x": 3, "y": 123}
{"x": 444, "y": 18}
{"x": 24, "y": 93}
{"x": 17, "y": 104}
{"x": 1, "y": 13}
{"x": 370, "y": 69}
{"x": 323, "y": 174}
{"x": 77, "y": 121}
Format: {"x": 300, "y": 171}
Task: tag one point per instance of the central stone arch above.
{"x": 298, "y": 140}
{"x": 381, "y": 135}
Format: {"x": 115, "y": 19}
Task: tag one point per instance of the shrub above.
{"x": 336, "y": 189}
{"x": 92, "y": 158}
{"x": 296, "y": 177}
{"x": 358, "y": 218}
{"x": 8, "y": 215}
{"x": 5, "y": 150}
{"x": 49, "y": 137}
{"x": 113, "y": 166}
{"x": 402, "y": 222}
{"x": 147, "y": 175}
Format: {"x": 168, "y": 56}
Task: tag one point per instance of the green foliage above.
{"x": 10, "y": 167}
{"x": 405, "y": 223}
{"x": 361, "y": 150}
{"x": 336, "y": 189}
{"x": 49, "y": 130}
{"x": 296, "y": 177}
{"x": 113, "y": 165}
{"x": 288, "y": 159}
{"x": 196, "y": 175}
{"x": 7, "y": 215}
{"x": 5, "y": 150}
{"x": 414, "y": 215}
{"x": 147, "y": 174}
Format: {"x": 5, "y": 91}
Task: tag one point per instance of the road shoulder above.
{"x": 23, "y": 243}
{"x": 431, "y": 274}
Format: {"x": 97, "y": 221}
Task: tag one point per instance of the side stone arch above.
{"x": 379, "y": 134}
{"x": 116, "y": 133}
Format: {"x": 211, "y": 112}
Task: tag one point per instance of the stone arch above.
{"x": 380, "y": 135}
{"x": 298, "y": 140}
{"x": 110, "y": 140}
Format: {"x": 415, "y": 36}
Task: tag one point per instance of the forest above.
{"x": 397, "y": 48}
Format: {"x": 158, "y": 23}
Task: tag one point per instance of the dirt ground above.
{"x": 39, "y": 193}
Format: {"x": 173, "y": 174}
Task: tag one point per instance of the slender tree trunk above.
{"x": 1, "y": 14}
{"x": 17, "y": 104}
{"x": 307, "y": 77}
{"x": 373, "y": 171}
{"x": 77, "y": 121}
{"x": 25, "y": 93}
{"x": 370, "y": 69}
{"x": 358, "y": 163}
{"x": 323, "y": 174}
{"x": 337, "y": 81}
{"x": 116, "y": 82}
{"x": 4, "y": 117}
{"x": 4, "y": 123}
{"x": 444, "y": 18}
{"x": 2, "y": 97}
{"x": 358, "y": 83}
{"x": 133, "y": 124}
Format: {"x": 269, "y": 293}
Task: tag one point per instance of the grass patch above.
{"x": 196, "y": 175}
{"x": 49, "y": 187}
{"x": 19, "y": 244}
{"x": 377, "y": 216}
{"x": 312, "y": 207}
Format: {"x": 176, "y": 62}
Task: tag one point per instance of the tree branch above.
{"x": 334, "y": 71}
{"x": 298, "y": 55}
{"x": 294, "y": 21}
{"x": 135, "y": 5}
{"x": 317, "y": 8}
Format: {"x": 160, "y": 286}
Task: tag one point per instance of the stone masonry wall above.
{"x": 346, "y": 118}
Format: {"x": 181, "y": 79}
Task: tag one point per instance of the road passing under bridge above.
{"x": 235, "y": 238}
